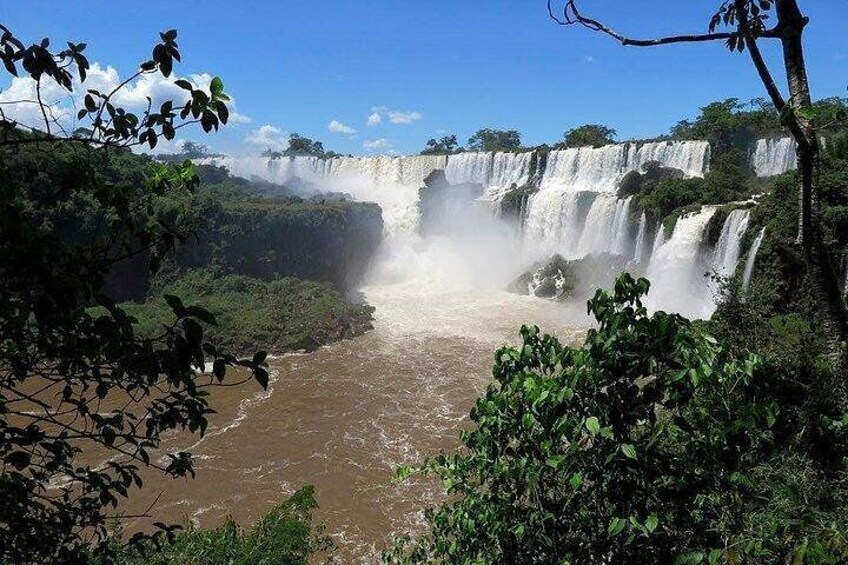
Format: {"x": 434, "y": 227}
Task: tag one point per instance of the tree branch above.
{"x": 571, "y": 16}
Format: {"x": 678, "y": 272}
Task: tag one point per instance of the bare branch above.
{"x": 571, "y": 15}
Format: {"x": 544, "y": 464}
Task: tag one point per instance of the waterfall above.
{"x": 752, "y": 259}
{"x": 774, "y": 156}
{"x": 554, "y": 214}
{"x": 495, "y": 172}
{"x": 621, "y": 226}
{"x": 600, "y": 169}
{"x": 726, "y": 254}
{"x": 641, "y": 236}
{"x": 675, "y": 268}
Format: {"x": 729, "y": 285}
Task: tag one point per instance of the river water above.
{"x": 343, "y": 418}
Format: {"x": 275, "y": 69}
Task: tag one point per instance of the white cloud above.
{"x": 337, "y": 127}
{"x": 394, "y": 116}
{"x": 397, "y": 117}
{"x": 377, "y": 144}
{"x": 267, "y": 136}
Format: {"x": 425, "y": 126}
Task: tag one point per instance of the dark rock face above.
{"x": 562, "y": 279}
{"x": 321, "y": 241}
{"x": 554, "y": 278}
{"x": 267, "y": 238}
{"x": 441, "y": 204}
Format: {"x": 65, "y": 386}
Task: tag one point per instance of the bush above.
{"x": 650, "y": 444}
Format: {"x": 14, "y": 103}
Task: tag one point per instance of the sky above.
{"x": 371, "y": 76}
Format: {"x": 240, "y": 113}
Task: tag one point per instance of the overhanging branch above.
{"x": 571, "y": 15}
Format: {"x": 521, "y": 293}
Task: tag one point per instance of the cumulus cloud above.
{"x": 399, "y": 117}
{"x": 267, "y": 136}
{"x": 337, "y": 127}
{"x": 19, "y": 98}
{"x": 381, "y": 144}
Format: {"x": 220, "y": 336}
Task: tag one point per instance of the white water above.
{"x": 641, "y": 239}
{"x": 774, "y": 156}
{"x": 750, "y": 262}
{"x": 676, "y": 272}
{"x": 574, "y": 213}
{"x": 726, "y": 254}
{"x": 601, "y": 169}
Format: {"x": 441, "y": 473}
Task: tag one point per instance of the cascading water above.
{"x": 774, "y": 156}
{"x": 557, "y": 217}
{"x": 676, "y": 269}
{"x": 750, "y": 262}
{"x": 641, "y": 237}
{"x": 726, "y": 254}
{"x": 575, "y": 211}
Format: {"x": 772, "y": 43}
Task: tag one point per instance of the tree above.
{"x": 650, "y": 444}
{"x": 75, "y": 378}
{"x": 593, "y": 135}
{"x": 194, "y": 150}
{"x": 488, "y": 139}
{"x": 442, "y": 146}
{"x": 748, "y": 21}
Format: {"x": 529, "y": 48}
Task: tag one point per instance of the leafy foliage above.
{"x": 445, "y": 145}
{"x": 282, "y": 315}
{"x": 650, "y": 444}
{"x": 589, "y": 135}
{"x": 488, "y": 139}
{"x": 74, "y": 382}
{"x": 300, "y": 146}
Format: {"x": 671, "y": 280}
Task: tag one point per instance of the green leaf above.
{"x": 651, "y": 523}
{"x": 615, "y": 527}
{"x": 216, "y": 87}
{"x": 628, "y": 450}
{"x": 576, "y": 480}
{"x": 593, "y": 425}
{"x": 555, "y": 461}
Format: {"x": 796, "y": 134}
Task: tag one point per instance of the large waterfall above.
{"x": 774, "y": 156}
{"x": 574, "y": 212}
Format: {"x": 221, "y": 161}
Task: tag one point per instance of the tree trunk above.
{"x": 823, "y": 281}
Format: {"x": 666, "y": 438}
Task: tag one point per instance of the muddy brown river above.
{"x": 343, "y": 418}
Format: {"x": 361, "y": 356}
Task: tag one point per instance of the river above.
{"x": 344, "y": 417}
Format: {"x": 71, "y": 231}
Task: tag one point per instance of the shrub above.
{"x": 650, "y": 444}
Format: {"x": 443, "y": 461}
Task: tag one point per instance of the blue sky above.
{"x": 429, "y": 67}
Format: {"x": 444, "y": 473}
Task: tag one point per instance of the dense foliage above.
{"x": 73, "y": 381}
{"x": 281, "y": 315}
{"x": 488, "y": 139}
{"x": 445, "y": 145}
{"x": 589, "y": 135}
{"x": 652, "y": 443}
{"x": 300, "y": 146}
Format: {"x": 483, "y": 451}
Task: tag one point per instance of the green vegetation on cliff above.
{"x": 280, "y": 315}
